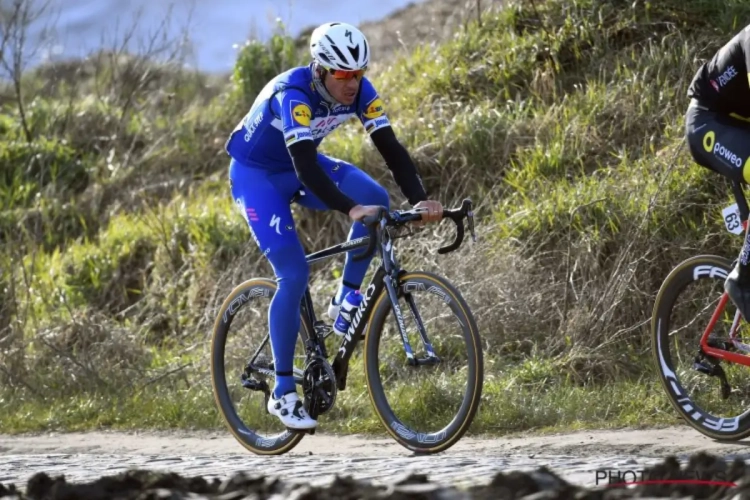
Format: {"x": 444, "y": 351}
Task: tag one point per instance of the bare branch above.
{"x": 15, "y": 52}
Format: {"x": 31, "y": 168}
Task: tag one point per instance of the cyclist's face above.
{"x": 344, "y": 91}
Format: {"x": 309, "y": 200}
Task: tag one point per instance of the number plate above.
{"x": 731, "y": 215}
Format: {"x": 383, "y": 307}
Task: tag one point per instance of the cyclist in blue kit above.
{"x": 274, "y": 162}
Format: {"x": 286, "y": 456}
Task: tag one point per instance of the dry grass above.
{"x": 562, "y": 121}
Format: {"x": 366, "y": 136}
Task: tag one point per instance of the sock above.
{"x": 284, "y": 385}
{"x": 344, "y": 288}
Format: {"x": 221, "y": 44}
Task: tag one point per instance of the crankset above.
{"x": 711, "y": 367}
{"x": 318, "y": 386}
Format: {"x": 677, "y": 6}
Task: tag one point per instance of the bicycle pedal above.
{"x": 254, "y": 385}
{"x": 301, "y": 431}
{"x": 427, "y": 360}
{"x": 703, "y": 368}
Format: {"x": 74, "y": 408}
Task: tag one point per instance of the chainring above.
{"x": 318, "y": 386}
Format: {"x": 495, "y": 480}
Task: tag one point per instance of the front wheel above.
{"x": 426, "y": 407}
{"x": 710, "y": 394}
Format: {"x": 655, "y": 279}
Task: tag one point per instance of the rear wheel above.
{"x": 241, "y": 380}
{"x": 428, "y": 407}
{"x": 711, "y": 395}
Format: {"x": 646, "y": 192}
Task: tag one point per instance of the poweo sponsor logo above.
{"x": 708, "y": 141}
{"x": 723, "y": 152}
{"x": 711, "y": 145}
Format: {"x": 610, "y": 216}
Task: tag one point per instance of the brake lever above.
{"x": 371, "y": 222}
{"x": 468, "y": 209}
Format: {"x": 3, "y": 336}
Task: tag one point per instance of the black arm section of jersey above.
{"x": 305, "y": 159}
{"x": 400, "y": 164}
{"x": 745, "y": 43}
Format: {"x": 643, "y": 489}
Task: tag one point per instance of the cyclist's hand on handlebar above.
{"x": 433, "y": 212}
{"x": 359, "y": 212}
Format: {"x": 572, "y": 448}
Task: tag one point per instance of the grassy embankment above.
{"x": 563, "y": 121}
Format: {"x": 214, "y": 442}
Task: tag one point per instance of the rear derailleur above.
{"x": 711, "y": 366}
{"x": 249, "y": 381}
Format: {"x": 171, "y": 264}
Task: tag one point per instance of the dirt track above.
{"x": 575, "y": 456}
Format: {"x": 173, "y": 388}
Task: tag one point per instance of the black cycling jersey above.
{"x": 723, "y": 83}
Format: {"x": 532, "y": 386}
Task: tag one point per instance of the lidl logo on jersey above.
{"x": 301, "y": 113}
{"x": 374, "y": 109}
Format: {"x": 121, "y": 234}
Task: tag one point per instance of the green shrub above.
{"x": 259, "y": 62}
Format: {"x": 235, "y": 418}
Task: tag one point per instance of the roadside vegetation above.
{"x": 561, "y": 120}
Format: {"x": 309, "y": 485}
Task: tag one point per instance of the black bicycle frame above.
{"x": 386, "y": 276}
{"x": 361, "y": 315}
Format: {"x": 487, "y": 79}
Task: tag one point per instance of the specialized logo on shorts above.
{"x": 275, "y": 221}
{"x": 301, "y": 113}
{"x": 249, "y": 214}
{"x": 374, "y": 109}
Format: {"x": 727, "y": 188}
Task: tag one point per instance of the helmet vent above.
{"x": 354, "y": 52}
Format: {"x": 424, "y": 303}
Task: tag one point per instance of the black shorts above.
{"x": 719, "y": 142}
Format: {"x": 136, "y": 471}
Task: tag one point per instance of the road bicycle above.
{"x": 693, "y": 294}
{"x": 389, "y": 368}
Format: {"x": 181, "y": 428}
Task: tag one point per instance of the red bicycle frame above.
{"x": 716, "y": 352}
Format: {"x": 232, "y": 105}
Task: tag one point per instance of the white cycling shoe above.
{"x": 291, "y": 411}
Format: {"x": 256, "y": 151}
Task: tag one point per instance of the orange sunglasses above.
{"x": 340, "y": 74}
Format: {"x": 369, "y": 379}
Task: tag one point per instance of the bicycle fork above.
{"x": 431, "y": 358}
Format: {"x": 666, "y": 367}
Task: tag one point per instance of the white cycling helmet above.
{"x": 339, "y": 46}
